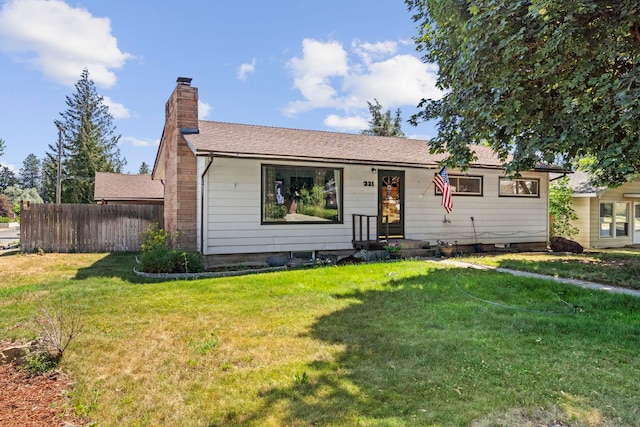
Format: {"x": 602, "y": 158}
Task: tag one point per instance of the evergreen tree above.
{"x": 7, "y": 178}
{"x": 30, "y": 173}
{"x": 1, "y": 146}
{"x": 381, "y": 123}
{"x": 89, "y": 144}
{"x": 144, "y": 169}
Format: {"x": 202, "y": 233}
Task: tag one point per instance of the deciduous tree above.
{"x": 538, "y": 80}
{"x": 561, "y": 209}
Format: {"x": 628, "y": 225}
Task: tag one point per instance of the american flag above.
{"x": 441, "y": 182}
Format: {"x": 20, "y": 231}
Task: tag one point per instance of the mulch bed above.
{"x": 37, "y": 401}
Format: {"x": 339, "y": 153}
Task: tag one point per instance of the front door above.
{"x": 391, "y": 203}
{"x": 636, "y": 223}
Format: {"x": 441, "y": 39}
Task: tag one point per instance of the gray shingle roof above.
{"x": 240, "y": 140}
{"x": 581, "y": 184}
{"x": 116, "y": 186}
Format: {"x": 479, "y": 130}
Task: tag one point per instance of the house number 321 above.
{"x": 368, "y": 183}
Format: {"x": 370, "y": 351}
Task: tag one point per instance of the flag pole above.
{"x": 425, "y": 190}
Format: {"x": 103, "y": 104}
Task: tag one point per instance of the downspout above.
{"x": 202, "y": 204}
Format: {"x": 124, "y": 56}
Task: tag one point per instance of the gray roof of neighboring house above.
{"x": 581, "y": 184}
{"x": 125, "y": 187}
{"x": 240, "y": 140}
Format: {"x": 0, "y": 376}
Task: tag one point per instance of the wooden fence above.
{"x": 85, "y": 228}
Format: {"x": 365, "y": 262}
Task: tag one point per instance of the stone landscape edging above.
{"x": 207, "y": 274}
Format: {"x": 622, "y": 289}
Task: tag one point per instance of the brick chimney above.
{"x": 180, "y": 201}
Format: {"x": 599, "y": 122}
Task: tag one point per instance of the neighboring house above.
{"x": 242, "y": 190}
{"x": 116, "y": 188}
{"x": 607, "y": 217}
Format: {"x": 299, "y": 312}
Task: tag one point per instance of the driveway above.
{"x": 9, "y": 236}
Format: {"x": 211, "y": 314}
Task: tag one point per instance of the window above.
{"x": 622, "y": 219}
{"x": 464, "y": 185}
{"x": 614, "y": 218}
{"x": 519, "y": 187}
{"x": 606, "y": 219}
{"x": 294, "y": 194}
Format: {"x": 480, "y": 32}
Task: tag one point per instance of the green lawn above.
{"x": 618, "y": 267}
{"x": 384, "y": 344}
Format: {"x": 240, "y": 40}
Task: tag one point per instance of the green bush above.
{"x": 189, "y": 262}
{"x": 165, "y": 260}
{"x": 275, "y": 211}
{"x": 154, "y": 237}
{"x": 5, "y": 219}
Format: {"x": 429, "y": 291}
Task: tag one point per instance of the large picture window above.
{"x": 295, "y": 194}
{"x": 519, "y": 187}
{"x": 464, "y": 185}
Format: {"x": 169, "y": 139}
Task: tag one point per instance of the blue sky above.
{"x": 288, "y": 63}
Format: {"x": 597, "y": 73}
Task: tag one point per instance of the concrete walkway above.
{"x": 575, "y": 282}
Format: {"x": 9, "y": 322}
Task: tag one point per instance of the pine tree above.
{"x": 144, "y": 169}
{"x": 30, "y": 173}
{"x": 381, "y": 124}
{"x": 89, "y": 144}
{"x": 7, "y": 178}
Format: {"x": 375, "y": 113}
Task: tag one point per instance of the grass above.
{"x": 383, "y": 344}
{"x": 618, "y": 267}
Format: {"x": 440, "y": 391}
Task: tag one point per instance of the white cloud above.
{"x": 370, "y": 51}
{"x": 245, "y": 69}
{"x": 203, "y": 110}
{"x": 328, "y": 76}
{"x": 117, "y": 110}
{"x": 60, "y": 40}
{"x": 312, "y": 74}
{"x": 9, "y": 166}
{"x": 136, "y": 142}
{"x": 346, "y": 123}
{"x": 399, "y": 80}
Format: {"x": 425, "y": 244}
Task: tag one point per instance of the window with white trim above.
{"x": 519, "y": 187}
{"x": 298, "y": 194}
{"x": 614, "y": 219}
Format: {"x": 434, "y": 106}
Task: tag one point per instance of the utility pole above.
{"x": 59, "y": 176}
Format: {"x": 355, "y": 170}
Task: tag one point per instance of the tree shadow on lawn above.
{"x": 422, "y": 352}
{"x": 115, "y": 264}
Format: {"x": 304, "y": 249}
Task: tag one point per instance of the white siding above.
{"x": 497, "y": 219}
{"x": 584, "y": 223}
{"x": 233, "y": 211}
{"x": 593, "y": 213}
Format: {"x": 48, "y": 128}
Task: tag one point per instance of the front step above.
{"x": 410, "y": 243}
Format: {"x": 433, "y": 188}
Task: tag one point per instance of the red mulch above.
{"x": 38, "y": 401}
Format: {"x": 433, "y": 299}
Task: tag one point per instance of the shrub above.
{"x": 275, "y": 211}
{"x": 154, "y": 237}
{"x": 5, "y": 219}
{"x": 189, "y": 262}
{"x": 165, "y": 260}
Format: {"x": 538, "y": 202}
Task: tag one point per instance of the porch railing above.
{"x": 366, "y": 233}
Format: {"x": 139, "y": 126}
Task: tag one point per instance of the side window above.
{"x": 464, "y": 185}
{"x": 606, "y": 219}
{"x": 519, "y": 187}
{"x": 622, "y": 219}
